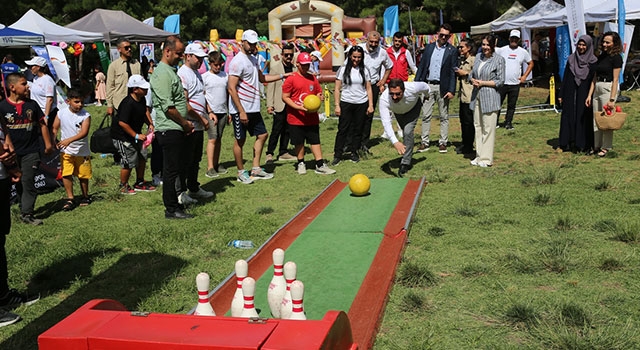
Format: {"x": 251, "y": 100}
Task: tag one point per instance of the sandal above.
{"x": 69, "y": 205}
{"x": 85, "y": 201}
{"x": 603, "y": 152}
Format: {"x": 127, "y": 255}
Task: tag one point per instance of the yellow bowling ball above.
{"x": 359, "y": 185}
{"x": 311, "y": 103}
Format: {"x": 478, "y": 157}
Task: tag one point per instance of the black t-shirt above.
{"x": 131, "y": 112}
{"x": 23, "y": 125}
{"x": 606, "y": 64}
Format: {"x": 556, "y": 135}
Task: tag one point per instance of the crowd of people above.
{"x": 178, "y": 106}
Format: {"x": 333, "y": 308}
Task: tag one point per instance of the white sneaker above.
{"x": 244, "y": 177}
{"x": 302, "y": 168}
{"x": 260, "y": 174}
{"x": 157, "y": 180}
{"x": 384, "y": 136}
{"x": 184, "y": 199}
{"x": 324, "y": 170}
{"x": 400, "y": 133}
{"x": 201, "y": 193}
{"x": 322, "y": 117}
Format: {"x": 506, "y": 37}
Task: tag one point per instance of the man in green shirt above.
{"x": 171, "y": 127}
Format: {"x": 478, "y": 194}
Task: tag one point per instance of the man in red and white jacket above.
{"x": 401, "y": 58}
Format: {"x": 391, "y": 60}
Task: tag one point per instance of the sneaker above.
{"x": 7, "y": 318}
{"x": 509, "y": 126}
{"x": 287, "y": 157}
{"x": 302, "y": 168}
{"x": 355, "y": 157}
{"x": 126, "y": 189}
{"x": 384, "y": 136}
{"x": 30, "y": 219}
{"x": 335, "y": 161}
{"x": 403, "y": 170}
{"x": 324, "y": 170}
{"x": 484, "y": 165}
{"x": 178, "y": 214}
{"x": 211, "y": 173}
{"x": 474, "y": 162}
{"x": 442, "y": 148}
{"x": 13, "y": 298}
{"x": 244, "y": 177}
{"x": 269, "y": 159}
{"x": 400, "y": 133}
{"x": 156, "y": 180}
{"x": 185, "y": 199}
{"x": 144, "y": 186}
{"x": 221, "y": 170}
{"x": 260, "y": 174}
{"x": 423, "y": 147}
{"x": 201, "y": 193}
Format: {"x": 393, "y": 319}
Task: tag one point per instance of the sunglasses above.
{"x": 444, "y": 35}
{"x": 287, "y": 54}
{"x": 127, "y": 47}
{"x": 394, "y": 93}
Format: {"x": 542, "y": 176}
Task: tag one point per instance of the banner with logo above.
{"x": 575, "y": 20}
{"x": 391, "y": 21}
{"x": 563, "y": 48}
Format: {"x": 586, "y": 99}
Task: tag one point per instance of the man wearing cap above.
{"x": 171, "y": 125}
{"x": 197, "y": 114}
{"x": 244, "y": 94}
{"x": 436, "y": 68}
{"x": 374, "y": 59}
{"x": 126, "y": 132}
{"x": 514, "y": 56}
{"x": 275, "y": 107}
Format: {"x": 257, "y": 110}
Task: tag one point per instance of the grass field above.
{"x": 539, "y": 251}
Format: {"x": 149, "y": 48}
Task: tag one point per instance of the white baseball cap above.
{"x": 195, "y": 49}
{"x": 317, "y": 54}
{"x": 251, "y": 36}
{"x": 36, "y": 61}
{"x": 137, "y": 81}
{"x": 515, "y": 33}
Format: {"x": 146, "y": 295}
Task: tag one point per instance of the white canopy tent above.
{"x": 546, "y": 13}
{"x": 10, "y": 37}
{"x": 32, "y": 21}
{"x": 515, "y": 10}
{"x": 608, "y": 10}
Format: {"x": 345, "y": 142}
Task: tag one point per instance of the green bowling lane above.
{"x": 334, "y": 252}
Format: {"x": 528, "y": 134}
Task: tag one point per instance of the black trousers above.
{"x": 156, "y": 157}
{"x": 5, "y": 228}
{"x": 193, "y": 154}
{"x": 368, "y": 120}
{"x": 350, "y": 125}
{"x": 466, "y": 126}
{"x": 511, "y": 93}
{"x": 174, "y": 165}
{"x": 279, "y": 132}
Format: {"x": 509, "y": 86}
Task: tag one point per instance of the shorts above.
{"x": 255, "y": 126}
{"x": 299, "y": 133}
{"x": 75, "y": 166}
{"x": 131, "y": 153}
{"x": 215, "y": 132}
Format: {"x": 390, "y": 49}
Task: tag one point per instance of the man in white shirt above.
{"x": 405, "y": 101}
{"x": 197, "y": 114}
{"x": 514, "y": 56}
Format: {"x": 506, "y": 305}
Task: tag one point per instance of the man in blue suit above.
{"x": 437, "y": 68}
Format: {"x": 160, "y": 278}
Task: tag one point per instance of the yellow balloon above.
{"x": 213, "y": 35}
{"x": 239, "y": 34}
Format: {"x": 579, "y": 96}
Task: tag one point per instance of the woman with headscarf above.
{"x": 604, "y": 87}
{"x": 576, "y": 122}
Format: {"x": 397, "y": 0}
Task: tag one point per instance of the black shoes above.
{"x": 403, "y": 170}
{"x": 13, "y": 298}
{"x": 178, "y": 214}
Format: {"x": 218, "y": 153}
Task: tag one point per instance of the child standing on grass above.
{"x": 75, "y": 159}
{"x": 9, "y": 172}
{"x": 303, "y": 124}
{"x": 24, "y": 122}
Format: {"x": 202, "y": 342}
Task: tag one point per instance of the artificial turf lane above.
{"x": 335, "y": 251}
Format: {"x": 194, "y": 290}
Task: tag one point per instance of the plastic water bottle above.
{"x": 105, "y": 155}
{"x": 241, "y": 244}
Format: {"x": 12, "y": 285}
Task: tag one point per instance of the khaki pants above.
{"x": 485, "y": 125}
{"x": 602, "y": 139}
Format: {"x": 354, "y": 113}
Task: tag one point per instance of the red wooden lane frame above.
{"x": 262, "y": 259}
{"x": 368, "y": 305}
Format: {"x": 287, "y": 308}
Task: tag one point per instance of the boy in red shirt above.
{"x": 304, "y": 124}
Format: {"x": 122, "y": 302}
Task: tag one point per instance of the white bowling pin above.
{"x": 297, "y": 294}
{"x": 249, "y": 289}
{"x": 290, "y": 270}
{"x": 204, "y": 307}
{"x": 237, "y": 304}
{"x": 278, "y": 284}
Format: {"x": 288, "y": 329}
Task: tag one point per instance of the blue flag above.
{"x": 391, "y": 21}
{"x": 563, "y": 47}
{"x": 622, "y": 15}
{"x": 172, "y": 24}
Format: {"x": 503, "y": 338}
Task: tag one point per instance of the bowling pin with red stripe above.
{"x": 248, "y": 290}
{"x": 278, "y": 285}
{"x": 237, "y": 304}
{"x": 204, "y": 307}
{"x": 297, "y": 294}
{"x": 290, "y": 270}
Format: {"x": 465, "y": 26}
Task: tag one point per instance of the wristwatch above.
{"x": 612, "y": 100}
